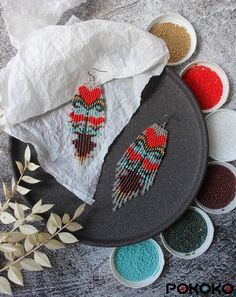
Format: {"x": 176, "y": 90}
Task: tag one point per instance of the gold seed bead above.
{"x": 176, "y": 38}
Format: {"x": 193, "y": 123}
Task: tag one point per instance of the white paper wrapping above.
{"x": 39, "y": 82}
{"x": 23, "y": 16}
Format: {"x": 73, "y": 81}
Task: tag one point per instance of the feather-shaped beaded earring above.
{"x": 87, "y": 118}
{"x": 138, "y": 166}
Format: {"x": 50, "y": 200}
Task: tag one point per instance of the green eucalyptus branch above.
{"x": 72, "y": 240}
{"x": 24, "y": 239}
{"x": 15, "y": 185}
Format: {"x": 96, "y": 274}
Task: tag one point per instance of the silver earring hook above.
{"x": 164, "y": 124}
{"x": 169, "y": 116}
{"x": 92, "y": 75}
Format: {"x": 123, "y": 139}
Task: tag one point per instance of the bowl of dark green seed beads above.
{"x": 190, "y": 236}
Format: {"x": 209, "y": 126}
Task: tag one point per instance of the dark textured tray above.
{"x": 176, "y": 183}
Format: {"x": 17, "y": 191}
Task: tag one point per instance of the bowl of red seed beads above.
{"x": 217, "y": 194}
{"x": 208, "y": 83}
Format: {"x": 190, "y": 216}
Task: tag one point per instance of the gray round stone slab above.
{"x": 175, "y": 186}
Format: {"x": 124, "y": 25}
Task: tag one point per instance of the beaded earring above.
{"x": 87, "y": 118}
{"x": 138, "y": 166}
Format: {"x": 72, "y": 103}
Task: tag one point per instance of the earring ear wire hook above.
{"x": 92, "y": 75}
{"x": 169, "y": 116}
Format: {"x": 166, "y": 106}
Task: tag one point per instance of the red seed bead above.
{"x": 205, "y": 84}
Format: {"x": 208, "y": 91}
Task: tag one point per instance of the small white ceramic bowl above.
{"x": 221, "y": 134}
{"x": 220, "y": 72}
{"x": 232, "y": 204}
{"x": 181, "y": 21}
{"x": 202, "y": 249}
{"x": 145, "y": 282}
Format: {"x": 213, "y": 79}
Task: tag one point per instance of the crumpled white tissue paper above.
{"x": 23, "y": 16}
{"x": 38, "y": 83}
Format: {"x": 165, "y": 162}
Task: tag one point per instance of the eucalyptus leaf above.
{"x": 51, "y": 225}
{"x": 5, "y": 287}
{"x": 79, "y": 211}
{"x": 32, "y": 166}
{"x": 15, "y": 236}
{"x": 30, "y": 180}
{"x": 37, "y": 206}
{"x": 7, "y": 247}
{"x": 3, "y": 237}
{"x": 27, "y": 154}
{"x": 56, "y": 219}
{"x": 22, "y": 190}
{"x": 33, "y": 238}
{"x": 13, "y": 184}
{"x": 28, "y": 245}
{"x": 7, "y": 218}
{"x": 20, "y": 250}
{"x": 28, "y": 229}
{"x": 67, "y": 237}
{"x": 42, "y": 259}
{"x": 15, "y": 275}
{"x": 30, "y": 265}
{"x": 45, "y": 208}
{"x": 17, "y": 265}
{"x": 19, "y": 211}
{"x": 9, "y": 256}
{"x": 12, "y": 205}
{"x": 74, "y": 227}
{"x": 20, "y": 167}
{"x": 65, "y": 218}
{"x": 34, "y": 218}
{"x": 43, "y": 236}
{"x": 7, "y": 193}
{"x": 54, "y": 244}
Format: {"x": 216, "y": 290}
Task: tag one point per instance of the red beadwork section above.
{"x": 137, "y": 168}
{"x": 86, "y": 120}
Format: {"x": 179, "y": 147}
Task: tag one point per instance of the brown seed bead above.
{"x": 177, "y": 39}
{"x": 218, "y": 188}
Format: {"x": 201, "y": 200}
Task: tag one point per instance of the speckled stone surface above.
{"x": 80, "y": 270}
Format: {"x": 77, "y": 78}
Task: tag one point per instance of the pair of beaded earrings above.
{"x": 136, "y": 170}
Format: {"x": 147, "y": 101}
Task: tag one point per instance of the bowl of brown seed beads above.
{"x": 218, "y": 191}
{"x": 178, "y": 34}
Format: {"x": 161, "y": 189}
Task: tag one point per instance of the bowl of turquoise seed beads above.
{"x": 190, "y": 236}
{"x": 137, "y": 265}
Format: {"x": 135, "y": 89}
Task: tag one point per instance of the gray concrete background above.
{"x": 81, "y": 270}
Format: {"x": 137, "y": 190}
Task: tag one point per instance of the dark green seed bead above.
{"x": 187, "y": 234}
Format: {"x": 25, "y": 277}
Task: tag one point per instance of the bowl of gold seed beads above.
{"x": 190, "y": 236}
{"x": 178, "y": 34}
